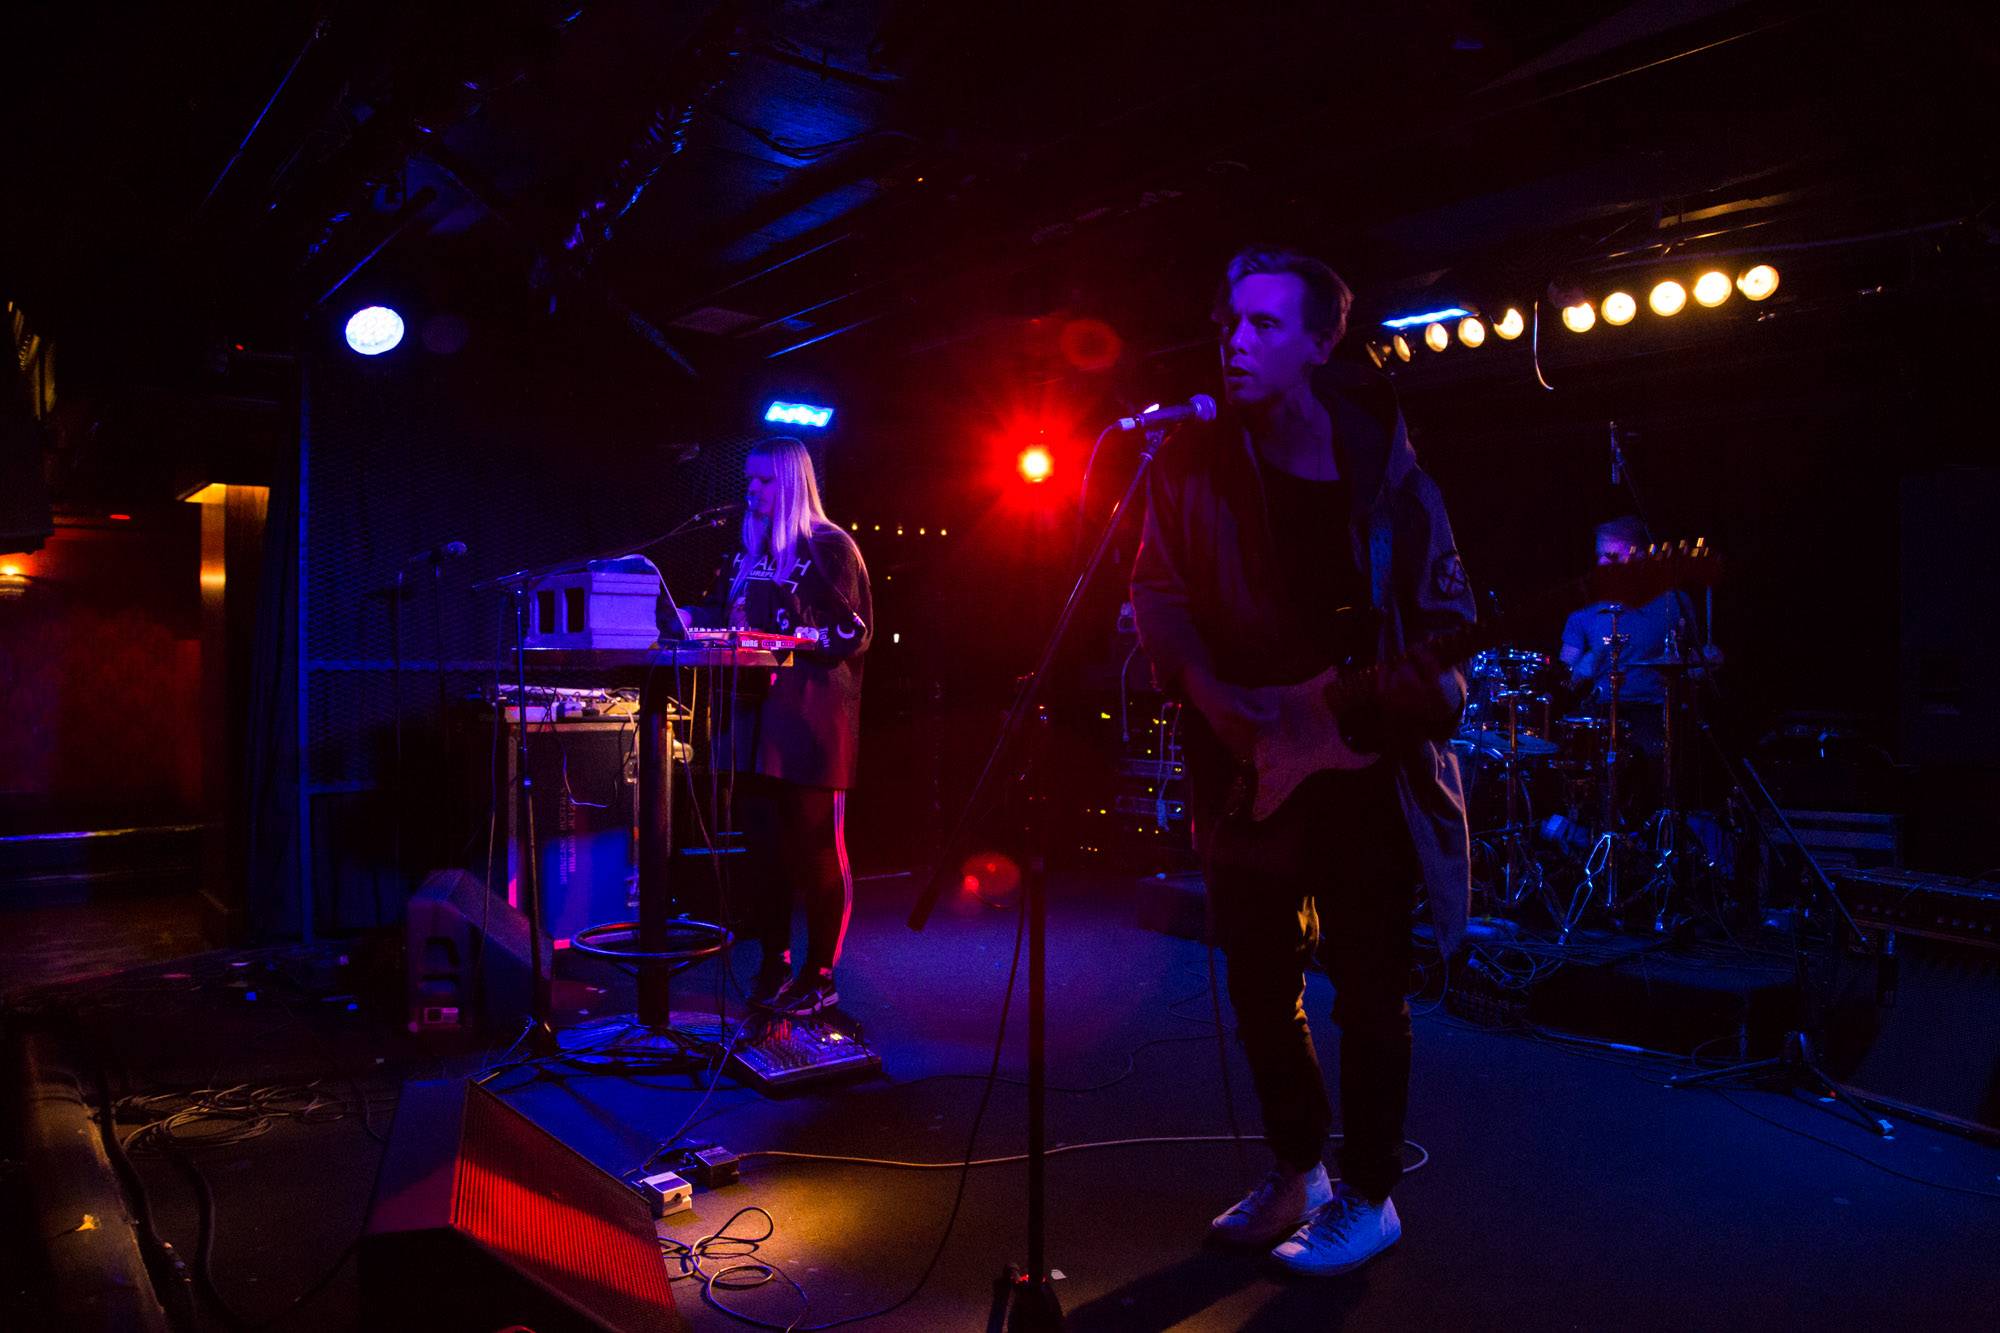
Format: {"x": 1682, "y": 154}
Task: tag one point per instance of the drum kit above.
{"x": 1573, "y": 813}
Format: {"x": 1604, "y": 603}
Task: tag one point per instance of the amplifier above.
{"x": 1938, "y": 907}
{"x": 585, "y": 803}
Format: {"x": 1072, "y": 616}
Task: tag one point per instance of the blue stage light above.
{"x": 799, "y": 414}
{"x": 374, "y": 330}
{"x": 1428, "y": 317}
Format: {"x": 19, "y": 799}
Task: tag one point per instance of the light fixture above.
{"x": 1757, "y": 283}
{"x": 1402, "y": 346}
{"x": 1578, "y": 318}
{"x": 1378, "y": 356}
{"x": 1511, "y": 325}
{"x": 799, "y": 414}
{"x": 1035, "y": 464}
{"x": 1619, "y": 308}
{"x": 373, "y": 330}
{"x": 1711, "y": 288}
{"x": 1668, "y": 298}
{"x": 1437, "y": 337}
{"x": 1471, "y": 331}
{"x": 209, "y": 493}
{"x": 1428, "y": 317}
{"x": 13, "y": 582}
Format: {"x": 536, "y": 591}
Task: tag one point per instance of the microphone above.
{"x": 438, "y": 554}
{"x": 1198, "y": 408}
{"x": 1617, "y": 459}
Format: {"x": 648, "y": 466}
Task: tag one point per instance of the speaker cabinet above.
{"x": 466, "y": 957}
{"x": 482, "y": 1219}
{"x": 584, "y": 783}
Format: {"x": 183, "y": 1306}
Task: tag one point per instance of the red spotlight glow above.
{"x": 1090, "y": 344}
{"x": 1035, "y": 464}
{"x": 989, "y": 874}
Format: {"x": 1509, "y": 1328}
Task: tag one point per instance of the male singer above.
{"x": 1295, "y": 532}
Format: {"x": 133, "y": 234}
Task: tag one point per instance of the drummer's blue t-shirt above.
{"x": 1646, "y": 627}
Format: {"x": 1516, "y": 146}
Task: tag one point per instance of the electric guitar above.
{"x": 1307, "y": 735}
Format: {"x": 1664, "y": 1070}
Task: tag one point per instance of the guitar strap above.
{"x": 1381, "y": 551}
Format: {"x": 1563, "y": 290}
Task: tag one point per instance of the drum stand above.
{"x": 1520, "y": 872}
{"x": 1602, "y": 865}
{"x": 1677, "y": 850}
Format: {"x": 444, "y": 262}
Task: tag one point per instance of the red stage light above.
{"x": 1035, "y": 464}
{"x": 119, "y": 518}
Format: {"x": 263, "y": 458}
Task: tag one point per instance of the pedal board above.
{"x": 795, "y": 1052}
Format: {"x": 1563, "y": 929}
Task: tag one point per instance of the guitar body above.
{"x": 1304, "y": 735}
{"x": 1302, "y": 739}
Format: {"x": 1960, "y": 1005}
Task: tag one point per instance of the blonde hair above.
{"x": 795, "y": 509}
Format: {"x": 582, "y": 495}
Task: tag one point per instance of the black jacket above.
{"x": 1205, "y": 592}
{"x": 806, "y": 728}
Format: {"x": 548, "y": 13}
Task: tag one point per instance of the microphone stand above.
{"x": 1796, "y": 1062}
{"x": 1024, "y": 1300}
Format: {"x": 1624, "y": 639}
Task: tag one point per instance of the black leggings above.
{"x": 798, "y": 843}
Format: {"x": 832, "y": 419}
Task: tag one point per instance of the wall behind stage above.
{"x": 100, "y": 670}
{"x": 529, "y": 449}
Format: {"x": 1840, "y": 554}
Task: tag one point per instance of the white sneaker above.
{"x": 1344, "y": 1235}
{"x": 1275, "y": 1208}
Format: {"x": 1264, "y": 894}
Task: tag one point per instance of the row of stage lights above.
{"x": 1668, "y": 298}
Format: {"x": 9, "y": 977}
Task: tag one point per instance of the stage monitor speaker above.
{"x": 483, "y": 1220}
{"x": 466, "y": 957}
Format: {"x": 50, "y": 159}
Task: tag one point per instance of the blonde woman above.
{"x": 797, "y": 573}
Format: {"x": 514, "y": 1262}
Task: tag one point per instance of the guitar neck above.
{"x": 1634, "y": 583}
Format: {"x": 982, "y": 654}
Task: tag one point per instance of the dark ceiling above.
{"x": 825, "y": 182}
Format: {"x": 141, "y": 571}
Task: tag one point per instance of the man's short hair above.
{"x": 1327, "y": 298}
{"x": 1626, "y": 529}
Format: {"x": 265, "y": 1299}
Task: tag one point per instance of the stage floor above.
{"x": 1561, "y": 1186}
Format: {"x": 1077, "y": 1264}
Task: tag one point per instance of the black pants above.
{"x": 1331, "y": 873}
{"x": 798, "y": 847}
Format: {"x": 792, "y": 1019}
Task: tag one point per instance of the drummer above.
{"x": 1647, "y": 629}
